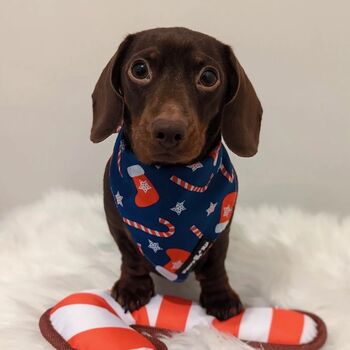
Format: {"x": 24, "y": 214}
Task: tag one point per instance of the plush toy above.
{"x": 93, "y": 320}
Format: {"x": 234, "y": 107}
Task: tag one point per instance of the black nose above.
{"x": 168, "y": 133}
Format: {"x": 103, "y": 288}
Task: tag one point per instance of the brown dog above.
{"x": 176, "y": 92}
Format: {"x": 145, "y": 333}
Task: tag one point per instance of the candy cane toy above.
{"x": 93, "y": 320}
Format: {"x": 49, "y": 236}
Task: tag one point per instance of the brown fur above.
{"x": 172, "y": 94}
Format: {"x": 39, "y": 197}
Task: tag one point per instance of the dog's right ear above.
{"x": 107, "y": 100}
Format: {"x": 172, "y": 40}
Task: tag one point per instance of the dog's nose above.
{"x": 168, "y": 133}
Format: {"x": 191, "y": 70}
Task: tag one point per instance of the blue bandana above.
{"x": 174, "y": 213}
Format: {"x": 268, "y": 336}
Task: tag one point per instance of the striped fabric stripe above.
{"x": 197, "y": 316}
{"x": 70, "y": 320}
{"x": 153, "y": 309}
{"x": 309, "y": 332}
{"x": 125, "y": 316}
{"x": 282, "y": 320}
{"x": 230, "y": 326}
{"x": 178, "y": 308}
{"x": 84, "y": 298}
{"x": 255, "y": 324}
{"x": 88, "y": 321}
{"x": 110, "y": 339}
{"x": 269, "y": 325}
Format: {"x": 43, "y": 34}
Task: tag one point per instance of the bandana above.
{"x": 174, "y": 213}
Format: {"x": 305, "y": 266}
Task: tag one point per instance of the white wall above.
{"x": 297, "y": 53}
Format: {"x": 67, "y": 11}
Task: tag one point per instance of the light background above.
{"x": 297, "y": 54}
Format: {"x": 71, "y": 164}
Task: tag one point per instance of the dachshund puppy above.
{"x": 176, "y": 93}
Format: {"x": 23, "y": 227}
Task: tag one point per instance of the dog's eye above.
{"x": 140, "y": 70}
{"x": 209, "y": 77}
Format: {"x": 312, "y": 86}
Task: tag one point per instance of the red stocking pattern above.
{"x": 146, "y": 195}
{"x": 226, "y": 211}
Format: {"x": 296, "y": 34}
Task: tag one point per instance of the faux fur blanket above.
{"x": 282, "y": 257}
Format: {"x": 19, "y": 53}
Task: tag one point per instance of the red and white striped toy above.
{"x": 93, "y": 320}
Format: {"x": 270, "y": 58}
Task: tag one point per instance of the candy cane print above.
{"x": 187, "y": 186}
{"x": 119, "y": 157}
{"x": 227, "y": 207}
{"x": 229, "y": 177}
{"x": 196, "y": 231}
{"x": 164, "y": 234}
{"x": 215, "y": 154}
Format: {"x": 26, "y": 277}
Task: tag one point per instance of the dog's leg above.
{"x": 217, "y": 296}
{"x": 135, "y": 286}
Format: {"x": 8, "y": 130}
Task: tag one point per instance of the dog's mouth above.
{"x": 165, "y": 158}
{"x": 169, "y": 157}
{"x": 173, "y": 156}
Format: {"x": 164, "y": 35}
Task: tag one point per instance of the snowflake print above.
{"x": 144, "y": 186}
{"x": 227, "y": 211}
{"x": 211, "y": 208}
{"x": 195, "y": 166}
{"x": 154, "y": 246}
{"x": 122, "y": 145}
{"x": 119, "y": 199}
{"x": 179, "y": 208}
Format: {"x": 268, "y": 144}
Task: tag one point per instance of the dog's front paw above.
{"x": 132, "y": 293}
{"x": 221, "y": 304}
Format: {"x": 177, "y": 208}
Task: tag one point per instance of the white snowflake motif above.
{"x": 179, "y": 208}
{"x": 122, "y": 145}
{"x": 157, "y": 166}
{"x": 154, "y": 246}
{"x": 195, "y": 166}
{"x": 227, "y": 211}
{"x": 211, "y": 208}
{"x": 144, "y": 186}
{"x": 176, "y": 264}
{"x": 119, "y": 199}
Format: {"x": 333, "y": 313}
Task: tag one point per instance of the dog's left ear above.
{"x": 107, "y": 100}
{"x": 242, "y": 112}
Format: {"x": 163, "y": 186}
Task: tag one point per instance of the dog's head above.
{"x": 176, "y": 91}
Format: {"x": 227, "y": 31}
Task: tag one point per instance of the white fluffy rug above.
{"x": 277, "y": 257}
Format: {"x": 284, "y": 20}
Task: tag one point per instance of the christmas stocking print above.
{"x": 226, "y": 212}
{"x": 146, "y": 194}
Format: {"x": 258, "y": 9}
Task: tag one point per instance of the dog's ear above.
{"x": 242, "y": 112}
{"x": 107, "y": 100}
